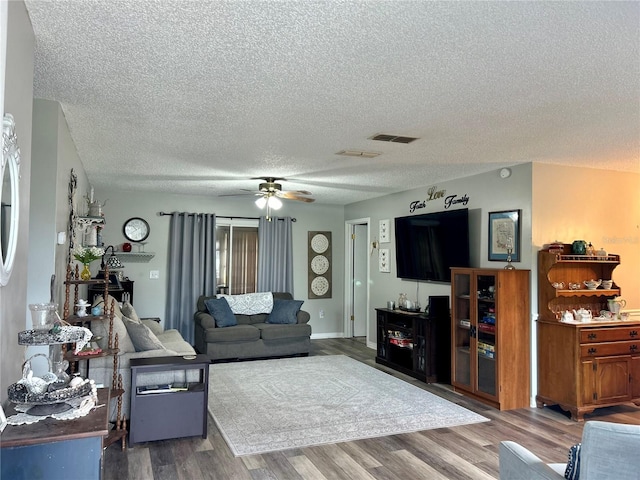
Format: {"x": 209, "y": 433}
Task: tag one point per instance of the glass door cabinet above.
{"x": 490, "y": 335}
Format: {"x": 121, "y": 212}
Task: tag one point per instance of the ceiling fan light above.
{"x": 275, "y": 203}
{"x": 261, "y": 202}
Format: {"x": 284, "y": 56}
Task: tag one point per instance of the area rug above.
{"x": 269, "y": 405}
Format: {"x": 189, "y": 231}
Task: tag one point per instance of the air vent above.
{"x": 357, "y": 153}
{"x": 383, "y": 137}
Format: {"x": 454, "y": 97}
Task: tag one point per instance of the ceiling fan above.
{"x": 270, "y": 192}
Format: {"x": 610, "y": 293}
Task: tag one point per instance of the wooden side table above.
{"x": 56, "y": 449}
{"x": 172, "y": 414}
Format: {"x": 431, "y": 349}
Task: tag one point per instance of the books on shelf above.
{"x": 164, "y": 388}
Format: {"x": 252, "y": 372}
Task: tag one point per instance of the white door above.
{"x": 360, "y": 259}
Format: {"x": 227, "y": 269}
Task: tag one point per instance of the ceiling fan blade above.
{"x": 294, "y": 196}
{"x": 249, "y": 192}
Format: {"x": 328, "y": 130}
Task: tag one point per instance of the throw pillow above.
{"x": 100, "y": 328}
{"x": 250, "y": 303}
{"x": 154, "y": 326}
{"x": 142, "y": 337}
{"x": 573, "y": 465}
{"x": 284, "y": 311}
{"x": 221, "y": 312}
{"x": 129, "y": 312}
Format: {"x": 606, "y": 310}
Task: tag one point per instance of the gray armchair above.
{"x": 610, "y": 451}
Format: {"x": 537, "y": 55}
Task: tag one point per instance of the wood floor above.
{"x": 465, "y": 452}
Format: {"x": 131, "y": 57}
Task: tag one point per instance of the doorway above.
{"x": 357, "y": 284}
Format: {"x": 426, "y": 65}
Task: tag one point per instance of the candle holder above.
{"x": 509, "y": 266}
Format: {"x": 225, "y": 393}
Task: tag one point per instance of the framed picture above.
{"x": 383, "y": 260}
{"x": 504, "y": 233}
{"x": 384, "y": 231}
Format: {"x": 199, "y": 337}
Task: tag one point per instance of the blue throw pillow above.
{"x": 573, "y": 465}
{"x": 284, "y": 311}
{"x": 221, "y": 312}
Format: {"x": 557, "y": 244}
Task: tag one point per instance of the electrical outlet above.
{"x": 154, "y": 274}
{"x": 321, "y": 313}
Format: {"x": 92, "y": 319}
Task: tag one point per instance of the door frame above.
{"x": 348, "y": 276}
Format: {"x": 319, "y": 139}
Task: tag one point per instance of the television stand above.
{"x": 414, "y": 343}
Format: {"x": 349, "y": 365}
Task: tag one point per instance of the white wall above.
{"x": 150, "y": 295}
{"x": 486, "y": 193}
{"x": 18, "y": 97}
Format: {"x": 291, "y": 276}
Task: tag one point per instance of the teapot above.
{"x": 95, "y": 208}
{"x": 592, "y": 284}
{"x": 582, "y": 315}
{"x": 567, "y": 316}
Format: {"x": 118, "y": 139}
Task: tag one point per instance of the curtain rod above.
{"x": 162, "y": 214}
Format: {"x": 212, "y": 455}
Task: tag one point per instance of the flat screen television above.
{"x": 428, "y": 245}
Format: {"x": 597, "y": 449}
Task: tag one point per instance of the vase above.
{"x": 85, "y": 274}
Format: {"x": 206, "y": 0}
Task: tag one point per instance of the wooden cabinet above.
{"x": 414, "y": 344}
{"x": 490, "y": 335}
{"x": 54, "y": 448}
{"x": 583, "y": 365}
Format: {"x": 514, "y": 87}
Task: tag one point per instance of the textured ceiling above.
{"x": 197, "y": 97}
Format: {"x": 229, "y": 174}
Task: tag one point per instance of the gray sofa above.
{"x": 252, "y": 337}
{"x": 610, "y": 451}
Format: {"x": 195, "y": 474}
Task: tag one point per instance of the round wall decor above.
{"x": 319, "y": 265}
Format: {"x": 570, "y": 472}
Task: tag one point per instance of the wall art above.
{"x": 319, "y": 265}
{"x": 504, "y": 235}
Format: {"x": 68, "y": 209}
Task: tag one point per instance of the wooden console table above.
{"x": 56, "y": 449}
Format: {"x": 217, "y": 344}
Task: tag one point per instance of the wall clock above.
{"x": 319, "y": 265}
{"x": 136, "y": 229}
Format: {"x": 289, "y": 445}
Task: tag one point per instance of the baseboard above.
{"x": 317, "y": 336}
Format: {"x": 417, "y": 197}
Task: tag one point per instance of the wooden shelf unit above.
{"x": 490, "y": 336}
{"x": 567, "y": 268}
{"x": 119, "y": 430}
{"x": 583, "y": 366}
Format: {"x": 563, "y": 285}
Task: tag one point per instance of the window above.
{"x": 236, "y": 256}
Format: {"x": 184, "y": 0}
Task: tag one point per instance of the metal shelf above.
{"x": 135, "y": 257}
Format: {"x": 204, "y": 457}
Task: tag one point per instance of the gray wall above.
{"x": 150, "y": 295}
{"x": 486, "y": 193}
{"x": 18, "y": 98}
{"x": 54, "y": 155}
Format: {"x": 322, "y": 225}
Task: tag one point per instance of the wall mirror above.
{"x": 10, "y": 208}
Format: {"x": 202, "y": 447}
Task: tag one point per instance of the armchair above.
{"x": 610, "y": 451}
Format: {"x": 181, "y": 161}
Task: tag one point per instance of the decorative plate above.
{"x": 319, "y": 243}
{"x": 319, "y": 264}
{"x": 319, "y": 286}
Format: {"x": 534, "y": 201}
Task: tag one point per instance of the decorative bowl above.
{"x": 591, "y": 284}
{"x": 607, "y": 284}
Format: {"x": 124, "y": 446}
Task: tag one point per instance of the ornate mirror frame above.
{"x": 10, "y": 165}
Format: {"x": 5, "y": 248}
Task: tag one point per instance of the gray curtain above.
{"x": 275, "y": 255}
{"x": 192, "y": 268}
